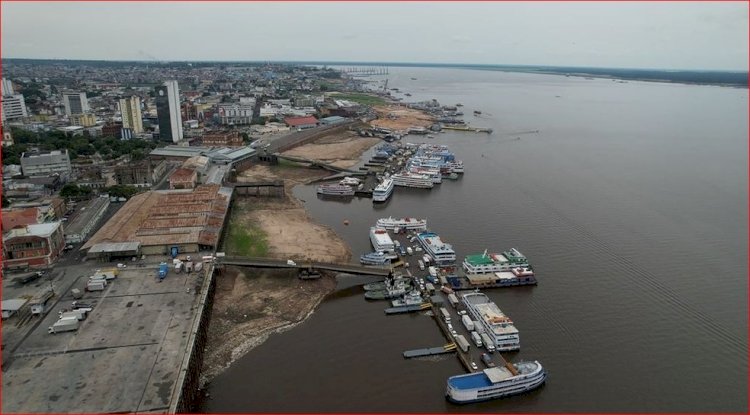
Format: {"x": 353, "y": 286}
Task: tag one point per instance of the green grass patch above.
{"x": 364, "y": 99}
{"x": 243, "y": 240}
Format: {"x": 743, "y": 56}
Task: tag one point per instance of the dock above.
{"x": 467, "y": 129}
{"x": 432, "y": 351}
{"x": 407, "y": 309}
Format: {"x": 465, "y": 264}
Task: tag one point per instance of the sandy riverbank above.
{"x": 251, "y": 304}
{"x": 396, "y": 117}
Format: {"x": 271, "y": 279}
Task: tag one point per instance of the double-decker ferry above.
{"x": 412, "y": 180}
{"x": 335, "y": 190}
{"x": 489, "y": 263}
{"x": 496, "y": 382}
{"x": 380, "y": 239}
{"x": 383, "y": 191}
{"x": 442, "y": 252}
{"x": 411, "y": 224}
{"x": 497, "y": 325}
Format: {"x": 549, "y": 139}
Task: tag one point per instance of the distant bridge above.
{"x": 303, "y": 265}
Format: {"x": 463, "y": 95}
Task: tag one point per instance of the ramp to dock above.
{"x": 431, "y": 351}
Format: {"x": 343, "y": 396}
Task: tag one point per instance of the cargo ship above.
{"x": 497, "y": 325}
{"x": 496, "y": 382}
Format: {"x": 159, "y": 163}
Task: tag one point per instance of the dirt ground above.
{"x": 341, "y": 150}
{"x": 396, "y": 118}
{"x": 251, "y": 304}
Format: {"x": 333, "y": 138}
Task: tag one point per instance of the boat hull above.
{"x": 527, "y": 389}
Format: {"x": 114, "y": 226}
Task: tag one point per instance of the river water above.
{"x": 631, "y": 204}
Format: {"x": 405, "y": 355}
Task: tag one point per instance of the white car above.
{"x": 474, "y": 366}
{"x": 121, "y": 266}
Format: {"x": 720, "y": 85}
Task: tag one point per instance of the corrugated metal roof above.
{"x": 115, "y": 247}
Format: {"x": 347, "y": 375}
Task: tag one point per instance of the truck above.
{"x": 426, "y": 258}
{"x": 409, "y": 250}
{"x": 79, "y": 313}
{"x": 163, "y": 269}
{"x": 64, "y": 324}
{"x": 478, "y": 327}
{"x": 488, "y": 343}
{"x": 453, "y": 300}
{"x": 446, "y": 289}
{"x": 421, "y": 264}
{"x": 476, "y": 338}
{"x": 430, "y": 288}
{"x": 462, "y": 343}
{"x": 467, "y": 323}
{"x": 96, "y": 285}
{"x": 444, "y": 313}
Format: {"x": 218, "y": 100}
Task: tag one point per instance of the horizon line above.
{"x": 382, "y": 63}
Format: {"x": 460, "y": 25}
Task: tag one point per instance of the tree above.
{"x": 245, "y": 137}
{"x": 122, "y": 191}
{"x": 73, "y": 191}
{"x": 6, "y": 202}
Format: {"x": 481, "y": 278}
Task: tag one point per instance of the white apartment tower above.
{"x": 168, "y": 111}
{"x": 131, "y": 114}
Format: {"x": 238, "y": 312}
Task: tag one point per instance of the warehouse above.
{"x": 185, "y": 220}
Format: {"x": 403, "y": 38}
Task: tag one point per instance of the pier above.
{"x": 467, "y": 129}
{"x": 432, "y": 351}
{"x": 303, "y": 265}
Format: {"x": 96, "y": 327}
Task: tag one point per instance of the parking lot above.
{"x": 124, "y": 357}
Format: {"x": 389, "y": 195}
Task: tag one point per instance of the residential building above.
{"x": 46, "y": 163}
{"x": 130, "y": 108}
{"x": 8, "y": 87}
{"x": 32, "y": 246}
{"x": 183, "y": 178}
{"x": 14, "y": 107}
{"x": 222, "y": 139}
{"x": 145, "y": 173}
{"x": 20, "y": 217}
{"x": 168, "y": 112}
{"x": 75, "y": 103}
{"x": 84, "y": 120}
{"x": 236, "y": 114}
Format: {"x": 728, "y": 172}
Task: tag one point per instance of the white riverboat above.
{"x": 496, "y": 382}
{"x": 497, "y": 325}
{"x": 383, "y": 191}
{"x": 380, "y": 239}
{"x": 441, "y": 252}
{"x": 412, "y": 180}
{"x": 411, "y": 224}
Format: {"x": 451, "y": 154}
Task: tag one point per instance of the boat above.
{"x": 408, "y": 179}
{"x": 411, "y": 298}
{"x": 407, "y": 94}
{"x": 380, "y": 240}
{"x": 497, "y": 325}
{"x": 386, "y": 294}
{"x": 383, "y": 191}
{"x": 495, "y": 382}
{"x": 374, "y": 258}
{"x": 411, "y": 224}
{"x": 335, "y": 190}
{"x": 451, "y": 176}
{"x": 489, "y": 263}
{"x": 413, "y": 79}
{"x": 441, "y": 252}
{"x": 459, "y": 105}
{"x": 350, "y": 181}
{"x": 404, "y": 283}
{"x": 430, "y": 135}
{"x": 477, "y": 112}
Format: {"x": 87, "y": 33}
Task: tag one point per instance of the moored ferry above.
{"x": 497, "y": 325}
{"x": 349, "y": 181}
{"x": 383, "y": 191}
{"x": 411, "y": 224}
{"x": 412, "y": 180}
{"x": 496, "y": 382}
{"x": 375, "y": 258}
{"x": 380, "y": 239}
{"x": 335, "y": 190}
{"x": 489, "y": 263}
{"x": 441, "y": 252}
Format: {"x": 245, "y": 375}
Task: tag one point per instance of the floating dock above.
{"x": 432, "y": 351}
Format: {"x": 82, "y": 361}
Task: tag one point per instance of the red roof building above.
{"x": 301, "y": 122}
{"x": 183, "y": 178}
{"x": 21, "y": 217}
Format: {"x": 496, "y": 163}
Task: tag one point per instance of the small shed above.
{"x": 11, "y": 306}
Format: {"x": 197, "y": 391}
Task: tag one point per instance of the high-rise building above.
{"x": 131, "y": 114}
{"x": 8, "y": 87}
{"x": 83, "y": 120}
{"x": 75, "y": 103}
{"x": 168, "y": 111}
{"x": 14, "y": 107}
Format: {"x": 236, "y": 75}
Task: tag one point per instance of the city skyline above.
{"x": 688, "y": 36}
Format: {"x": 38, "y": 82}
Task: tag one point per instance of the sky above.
{"x": 664, "y": 35}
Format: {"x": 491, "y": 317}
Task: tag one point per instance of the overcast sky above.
{"x": 636, "y": 35}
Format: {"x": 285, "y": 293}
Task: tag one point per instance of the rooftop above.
{"x": 169, "y": 217}
{"x": 19, "y": 217}
{"x": 41, "y": 230}
{"x": 297, "y": 121}
{"x": 85, "y": 215}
